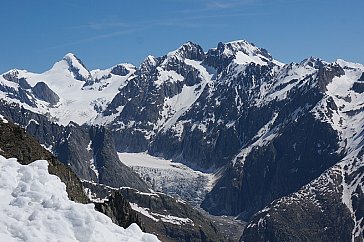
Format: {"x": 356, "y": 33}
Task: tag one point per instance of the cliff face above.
{"x": 330, "y": 208}
{"x": 88, "y": 150}
{"x": 14, "y": 142}
{"x": 168, "y": 218}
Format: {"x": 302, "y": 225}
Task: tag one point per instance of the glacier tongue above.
{"x": 169, "y": 177}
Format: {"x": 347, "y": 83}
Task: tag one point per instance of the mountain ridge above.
{"x": 273, "y": 127}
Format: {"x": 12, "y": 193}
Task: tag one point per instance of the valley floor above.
{"x": 228, "y": 226}
{"x": 184, "y": 183}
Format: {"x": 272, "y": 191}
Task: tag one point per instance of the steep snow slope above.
{"x": 35, "y": 207}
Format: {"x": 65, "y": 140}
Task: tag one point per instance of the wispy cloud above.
{"x": 99, "y": 26}
{"x": 93, "y": 38}
{"x": 222, "y": 15}
{"x": 216, "y": 5}
{"x": 113, "y": 26}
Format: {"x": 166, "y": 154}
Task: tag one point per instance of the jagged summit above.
{"x": 148, "y": 64}
{"x": 188, "y": 50}
{"x": 314, "y": 62}
{"x": 11, "y": 75}
{"x": 249, "y": 49}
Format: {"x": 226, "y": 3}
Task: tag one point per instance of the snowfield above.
{"x": 78, "y": 102}
{"x": 170, "y": 177}
{"x": 34, "y": 207}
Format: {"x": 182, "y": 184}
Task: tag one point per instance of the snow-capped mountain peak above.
{"x": 76, "y": 67}
{"x": 73, "y": 60}
{"x": 231, "y": 48}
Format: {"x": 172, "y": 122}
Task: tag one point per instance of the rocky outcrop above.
{"x": 166, "y": 217}
{"x": 119, "y": 210}
{"x": 173, "y": 219}
{"x": 43, "y": 92}
{"x": 119, "y": 70}
{"x": 14, "y": 142}
{"x": 88, "y": 151}
{"x": 24, "y": 96}
{"x": 111, "y": 171}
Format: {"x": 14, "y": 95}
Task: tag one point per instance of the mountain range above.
{"x": 285, "y": 141}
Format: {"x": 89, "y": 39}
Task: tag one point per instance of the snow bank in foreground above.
{"x": 34, "y": 207}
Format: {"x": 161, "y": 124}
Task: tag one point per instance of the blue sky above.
{"x": 35, "y": 34}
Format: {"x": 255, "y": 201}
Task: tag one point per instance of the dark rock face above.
{"x": 20, "y": 94}
{"x": 23, "y": 83}
{"x": 23, "y": 95}
{"x": 196, "y": 228}
{"x": 270, "y": 172}
{"x": 71, "y": 148}
{"x": 190, "y": 51}
{"x": 314, "y": 213}
{"x": 303, "y": 222}
{"x": 118, "y": 209}
{"x": 71, "y": 59}
{"x": 77, "y": 147}
{"x": 112, "y": 171}
{"x": 12, "y": 76}
{"x": 172, "y": 220}
{"x": 43, "y": 92}
{"x": 327, "y": 73}
{"x": 14, "y": 142}
{"x": 119, "y": 70}
{"x": 361, "y": 78}
{"x": 358, "y": 87}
